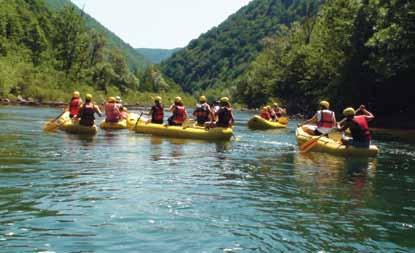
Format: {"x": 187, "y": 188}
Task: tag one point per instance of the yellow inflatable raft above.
{"x": 258, "y": 123}
{"x": 331, "y": 146}
{"x": 66, "y": 124}
{"x": 122, "y": 124}
{"x": 184, "y": 132}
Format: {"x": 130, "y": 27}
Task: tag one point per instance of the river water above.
{"x": 126, "y": 192}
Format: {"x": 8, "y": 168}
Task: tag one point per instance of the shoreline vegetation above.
{"x": 382, "y": 126}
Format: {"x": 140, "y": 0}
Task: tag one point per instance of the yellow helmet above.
{"x": 202, "y": 99}
{"x": 177, "y": 99}
{"x": 224, "y": 100}
{"x": 349, "y": 112}
{"x": 157, "y": 99}
{"x": 76, "y": 94}
{"x": 111, "y": 99}
{"x": 325, "y": 104}
{"x": 88, "y": 96}
{"x": 275, "y": 104}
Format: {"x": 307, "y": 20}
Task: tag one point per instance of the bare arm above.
{"x": 312, "y": 120}
{"x": 368, "y": 115}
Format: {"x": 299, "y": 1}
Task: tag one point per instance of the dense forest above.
{"x": 135, "y": 60}
{"x": 155, "y": 55}
{"x": 222, "y": 54}
{"x": 352, "y": 52}
{"x": 45, "y": 54}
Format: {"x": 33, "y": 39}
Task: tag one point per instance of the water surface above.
{"x": 126, "y": 192}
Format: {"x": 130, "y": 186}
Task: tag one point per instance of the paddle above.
{"x": 138, "y": 119}
{"x": 51, "y": 126}
{"x": 308, "y": 145}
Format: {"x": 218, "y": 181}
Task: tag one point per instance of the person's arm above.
{"x": 171, "y": 108}
{"x": 186, "y": 116}
{"x": 97, "y": 110}
{"x": 211, "y": 114}
{"x": 312, "y": 120}
{"x": 368, "y": 115}
{"x": 232, "y": 119}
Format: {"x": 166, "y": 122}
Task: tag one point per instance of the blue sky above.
{"x": 160, "y": 23}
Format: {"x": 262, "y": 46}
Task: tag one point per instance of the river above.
{"x": 126, "y": 192}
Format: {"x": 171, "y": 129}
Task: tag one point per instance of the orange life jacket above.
{"x": 326, "y": 119}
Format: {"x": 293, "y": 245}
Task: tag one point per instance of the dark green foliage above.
{"x": 219, "y": 56}
{"x": 353, "y": 52}
{"x": 156, "y": 56}
{"x": 45, "y": 55}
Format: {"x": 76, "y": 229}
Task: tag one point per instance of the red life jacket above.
{"x": 360, "y": 131}
{"x": 326, "y": 119}
{"x": 74, "y": 106}
{"x": 157, "y": 113}
{"x": 202, "y": 114}
{"x": 179, "y": 114}
{"x": 265, "y": 115}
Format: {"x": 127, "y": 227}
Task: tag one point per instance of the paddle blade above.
{"x": 283, "y": 120}
{"x": 308, "y": 144}
{"x": 50, "y": 126}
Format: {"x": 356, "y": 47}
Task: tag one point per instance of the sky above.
{"x": 160, "y": 23}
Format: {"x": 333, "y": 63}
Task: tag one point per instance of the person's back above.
{"x": 179, "y": 114}
{"x": 326, "y": 121}
{"x": 359, "y": 127}
{"x": 87, "y": 111}
{"x": 157, "y": 111}
{"x": 224, "y": 114}
{"x": 112, "y": 111}
{"x": 74, "y": 104}
{"x": 202, "y": 111}
{"x": 265, "y": 113}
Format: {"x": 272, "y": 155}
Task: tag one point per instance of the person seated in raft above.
{"x": 277, "y": 112}
{"x": 157, "y": 111}
{"x": 118, "y": 102}
{"x": 265, "y": 113}
{"x": 216, "y": 106}
{"x": 358, "y": 125}
{"x": 203, "y": 113}
{"x": 123, "y": 112}
{"x": 324, "y": 119}
{"x": 225, "y": 115}
{"x": 87, "y": 112}
{"x": 74, "y": 105}
{"x": 179, "y": 114}
{"x": 112, "y": 110}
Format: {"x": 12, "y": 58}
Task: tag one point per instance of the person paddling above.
{"x": 87, "y": 112}
{"x": 358, "y": 125}
{"x": 224, "y": 114}
{"x": 179, "y": 114}
{"x": 112, "y": 110}
{"x": 203, "y": 112}
{"x": 157, "y": 111}
{"x": 277, "y": 112}
{"x": 74, "y": 105}
{"x": 324, "y": 119}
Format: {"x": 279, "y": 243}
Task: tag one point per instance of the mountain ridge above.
{"x": 134, "y": 59}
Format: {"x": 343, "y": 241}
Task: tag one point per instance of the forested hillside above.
{"x": 45, "y": 55}
{"x": 156, "y": 56}
{"x": 353, "y": 52}
{"x": 134, "y": 59}
{"x": 219, "y": 56}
